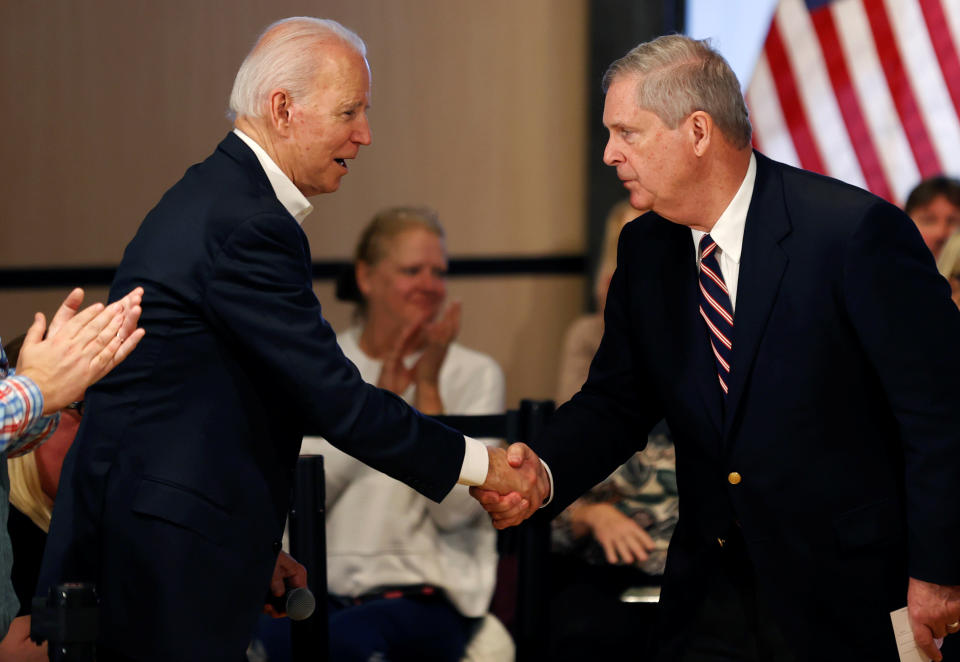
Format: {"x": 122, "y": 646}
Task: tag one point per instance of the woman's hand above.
{"x": 434, "y": 339}
{"x": 437, "y": 335}
{"x": 395, "y": 376}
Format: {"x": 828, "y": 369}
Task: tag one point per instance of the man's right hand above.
{"x": 80, "y": 348}
{"x": 516, "y": 485}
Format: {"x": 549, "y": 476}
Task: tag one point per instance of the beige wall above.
{"x": 478, "y": 109}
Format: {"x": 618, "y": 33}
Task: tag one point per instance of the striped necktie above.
{"x": 715, "y": 309}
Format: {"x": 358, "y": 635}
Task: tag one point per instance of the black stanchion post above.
{"x": 533, "y": 552}
{"x": 310, "y": 637}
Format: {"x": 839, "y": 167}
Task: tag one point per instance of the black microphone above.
{"x": 298, "y": 603}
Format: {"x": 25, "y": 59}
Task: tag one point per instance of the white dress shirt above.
{"x": 727, "y": 232}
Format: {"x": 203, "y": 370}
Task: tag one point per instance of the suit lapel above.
{"x": 762, "y": 264}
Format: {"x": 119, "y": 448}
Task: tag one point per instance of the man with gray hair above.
{"x": 791, "y": 329}
{"x": 175, "y": 493}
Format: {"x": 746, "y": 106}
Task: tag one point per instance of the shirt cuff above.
{"x": 27, "y": 402}
{"x": 546, "y": 502}
{"x": 476, "y": 462}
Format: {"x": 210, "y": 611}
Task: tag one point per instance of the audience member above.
{"x": 56, "y": 365}
{"x": 934, "y": 205}
{"x": 949, "y": 265}
{"x": 614, "y": 537}
{"x": 409, "y": 578}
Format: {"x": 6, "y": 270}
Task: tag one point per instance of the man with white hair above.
{"x": 175, "y": 493}
{"x": 795, "y": 335}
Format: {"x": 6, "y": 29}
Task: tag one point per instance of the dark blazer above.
{"x": 179, "y": 481}
{"x": 843, "y": 416}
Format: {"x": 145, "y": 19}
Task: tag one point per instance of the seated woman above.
{"x": 614, "y": 538}
{"x": 408, "y": 578}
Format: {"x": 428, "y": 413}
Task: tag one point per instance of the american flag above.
{"x": 867, "y": 91}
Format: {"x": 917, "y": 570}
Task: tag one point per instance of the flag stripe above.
{"x": 943, "y": 47}
{"x": 897, "y": 81}
{"x": 793, "y": 112}
{"x": 863, "y": 60}
{"x": 864, "y": 90}
{"x": 853, "y": 117}
{"x": 816, "y": 93}
{"x": 926, "y": 80}
{"x": 770, "y": 133}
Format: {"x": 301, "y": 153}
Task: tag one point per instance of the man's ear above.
{"x": 280, "y": 110}
{"x": 700, "y": 126}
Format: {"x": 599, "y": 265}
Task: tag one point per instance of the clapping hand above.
{"x": 80, "y": 347}
{"x": 516, "y": 485}
{"x": 434, "y": 337}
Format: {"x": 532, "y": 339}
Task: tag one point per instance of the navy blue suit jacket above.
{"x": 176, "y": 489}
{"x": 843, "y": 416}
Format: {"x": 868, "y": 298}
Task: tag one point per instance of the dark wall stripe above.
{"x": 551, "y": 265}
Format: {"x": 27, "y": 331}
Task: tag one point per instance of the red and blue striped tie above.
{"x": 715, "y": 309}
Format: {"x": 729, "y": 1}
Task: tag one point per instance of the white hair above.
{"x": 284, "y": 57}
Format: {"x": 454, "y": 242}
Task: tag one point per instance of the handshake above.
{"x": 516, "y": 486}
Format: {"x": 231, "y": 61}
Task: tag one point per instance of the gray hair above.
{"x": 677, "y": 75}
{"x": 387, "y": 224}
{"x": 284, "y": 56}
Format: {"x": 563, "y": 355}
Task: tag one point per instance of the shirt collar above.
{"x": 287, "y": 193}
{"x": 728, "y": 230}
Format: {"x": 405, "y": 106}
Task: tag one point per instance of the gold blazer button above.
{"x": 734, "y": 478}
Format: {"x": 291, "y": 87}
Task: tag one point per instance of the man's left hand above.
{"x": 287, "y": 574}
{"x": 934, "y": 613}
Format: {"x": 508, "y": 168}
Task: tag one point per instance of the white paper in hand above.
{"x": 906, "y": 645}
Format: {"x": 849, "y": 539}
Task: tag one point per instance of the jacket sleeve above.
{"x": 609, "y": 418}
{"x": 901, "y": 310}
{"x": 260, "y": 296}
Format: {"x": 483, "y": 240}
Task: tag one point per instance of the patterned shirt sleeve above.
{"x": 22, "y": 425}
